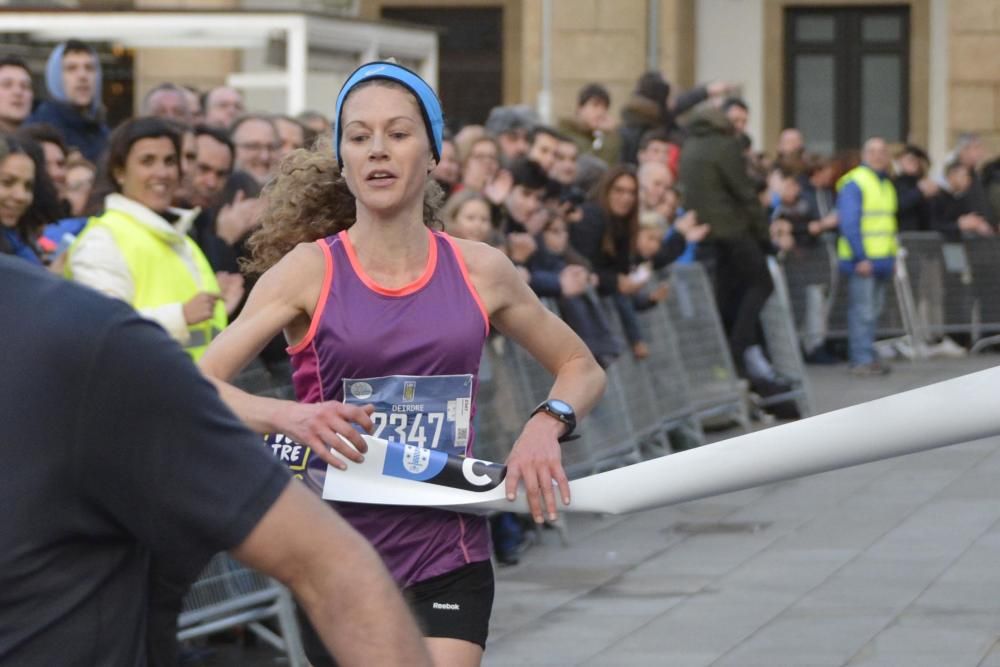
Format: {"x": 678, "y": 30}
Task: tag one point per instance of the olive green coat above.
{"x": 714, "y": 182}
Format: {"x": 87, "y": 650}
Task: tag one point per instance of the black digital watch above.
{"x": 562, "y": 411}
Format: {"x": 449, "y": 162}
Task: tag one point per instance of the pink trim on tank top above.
{"x": 405, "y": 290}
{"x": 324, "y": 295}
{"x": 460, "y": 258}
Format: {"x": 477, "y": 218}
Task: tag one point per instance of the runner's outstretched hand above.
{"x": 536, "y": 460}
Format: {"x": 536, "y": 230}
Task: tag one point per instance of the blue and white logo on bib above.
{"x": 412, "y": 462}
{"x": 416, "y": 459}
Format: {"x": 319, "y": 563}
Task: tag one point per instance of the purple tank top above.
{"x": 436, "y": 326}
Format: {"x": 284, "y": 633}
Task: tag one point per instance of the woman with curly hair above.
{"x": 386, "y": 319}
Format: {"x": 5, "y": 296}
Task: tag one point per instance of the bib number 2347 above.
{"x": 431, "y": 412}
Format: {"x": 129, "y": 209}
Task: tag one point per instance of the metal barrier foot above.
{"x": 984, "y": 344}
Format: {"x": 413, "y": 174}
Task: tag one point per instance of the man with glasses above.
{"x": 258, "y": 146}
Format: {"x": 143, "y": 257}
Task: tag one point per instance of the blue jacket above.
{"x": 88, "y": 134}
{"x": 849, "y": 218}
{"x": 18, "y": 247}
{"x": 85, "y": 131}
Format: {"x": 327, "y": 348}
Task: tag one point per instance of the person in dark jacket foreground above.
{"x": 119, "y": 453}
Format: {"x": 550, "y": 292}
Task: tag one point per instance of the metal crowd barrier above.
{"x": 953, "y": 288}
{"x": 715, "y": 388}
{"x": 940, "y": 288}
{"x": 812, "y": 279}
{"x": 984, "y": 260}
{"x": 499, "y": 402}
{"x": 656, "y": 389}
{"x": 688, "y": 378}
{"x": 940, "y": 278}
{"x": 782, "y": 343}
{"x": 273, "y": 381}
{"x": 228, "y": 594}
{"x": 891, "y": 324}
{"x": 607, "y": 434}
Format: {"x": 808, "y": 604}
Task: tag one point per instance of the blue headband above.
{"x": 430, "y": 107}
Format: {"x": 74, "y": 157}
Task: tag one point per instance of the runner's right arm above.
{"x": 283, "y": 300}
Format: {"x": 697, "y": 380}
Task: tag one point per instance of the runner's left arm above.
{"x": 516, "y": 312}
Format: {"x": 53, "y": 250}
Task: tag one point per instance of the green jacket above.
{"x": 714, "y": 182}
{"x": 609, "y": 148}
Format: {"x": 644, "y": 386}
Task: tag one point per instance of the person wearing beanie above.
{"x": 73, "y": 80}
{"x": 650, "y": 107}
{"x": 592, "y": 128}
{"x": 511, "y": 126}
{"x": 380, "y": 308}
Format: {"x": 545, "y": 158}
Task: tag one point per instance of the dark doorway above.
{"x": 470, "y": 58}
{"x": 847, "y": 73}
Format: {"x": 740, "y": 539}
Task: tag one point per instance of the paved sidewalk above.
{"x": 894, "y": 563}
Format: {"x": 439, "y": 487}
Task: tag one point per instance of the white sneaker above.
{"x": 947, "y": 348}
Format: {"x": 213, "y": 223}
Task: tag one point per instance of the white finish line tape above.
{"x": 947, "y": 413}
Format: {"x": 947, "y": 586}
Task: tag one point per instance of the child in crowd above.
{"x": 684, "y": 232}
{"x": 558, "y": 271}
{"x": 653, "y": 233}
{"x": 794, "y": 222}
{"x": 650, "y": 290}
{"x": 466, "y": 215}
{"x": 80, "y": 175}
{"x": 819, "y": 184}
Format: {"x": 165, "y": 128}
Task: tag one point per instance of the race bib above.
{"x": 427, "y": 412}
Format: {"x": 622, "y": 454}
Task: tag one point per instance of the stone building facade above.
{"x": 952, "y": 64}
{"x": 949, "y": 74}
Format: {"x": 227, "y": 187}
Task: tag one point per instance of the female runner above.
{"x": 386, "y": 320}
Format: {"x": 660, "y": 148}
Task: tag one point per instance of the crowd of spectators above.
{"x": 591, "y": 209}
{"x": 592, "y": 205}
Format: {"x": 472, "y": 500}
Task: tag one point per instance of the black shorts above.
{"x": 454, "y": 605}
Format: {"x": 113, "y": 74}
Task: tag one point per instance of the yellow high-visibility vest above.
{"x": 878, "y": 215}
{"x": 159, "y": 274}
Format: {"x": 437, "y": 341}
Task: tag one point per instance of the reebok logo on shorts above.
{"x": 447, "y": 606}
